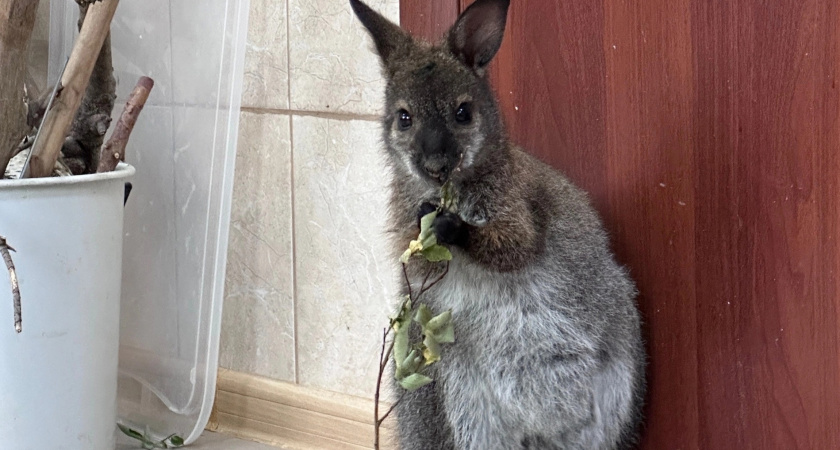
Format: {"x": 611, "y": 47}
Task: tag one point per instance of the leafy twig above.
{"x": 409, "y": 365}
{"x": 7, "y": 258}
{"x": 148, "y": 443}
{"x": 410, "y": 359}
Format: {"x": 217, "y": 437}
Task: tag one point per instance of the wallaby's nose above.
{"x": 436, "y": 142}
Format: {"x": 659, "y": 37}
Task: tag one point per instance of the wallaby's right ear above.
{"x": 477, "y": 35}
{"x": 389, "y": 38}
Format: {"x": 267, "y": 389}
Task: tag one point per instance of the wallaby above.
{"x": 548, "y": 352}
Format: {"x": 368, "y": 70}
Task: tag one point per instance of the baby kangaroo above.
{"x": 547, "y": 352}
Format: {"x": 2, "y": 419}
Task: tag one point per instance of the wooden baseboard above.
{"x": 292, "y": 416}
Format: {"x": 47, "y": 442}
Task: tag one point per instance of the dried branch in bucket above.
{"x": 5, "y": 248}
{"x": 75, "y": 80}
{"x": 15, "y": 31}
{"x": 87, "y": 133}
{"x": 114, "y": 151}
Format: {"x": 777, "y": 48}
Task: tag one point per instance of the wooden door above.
{"x": 707, "y": 133}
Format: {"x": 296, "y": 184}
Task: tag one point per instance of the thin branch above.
{"x": 392, "y": 408}
{"x": 7, "y": 257}
{"x": 426, "y": 278}
{"x": 437, "y": 280}
{"x": 407, "y": 281}
{"x": 383, "y": 362}
{"x": 381, "y": 354}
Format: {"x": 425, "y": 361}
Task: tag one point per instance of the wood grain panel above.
{"x": 649, "y": 181}
{"x": 766, "y": 169}
{"x": 549, "y": 76}
{"x": 428, "y": 19}
{"x": 707, "y": 135}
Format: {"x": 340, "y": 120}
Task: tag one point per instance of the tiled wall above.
{"x": 309, "y": 286}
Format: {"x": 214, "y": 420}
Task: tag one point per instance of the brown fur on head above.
{"x": 440, "y": 113}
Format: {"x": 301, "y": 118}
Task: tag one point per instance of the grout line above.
{"x": 292, "y": 195}
{"x": 321, "y": 114}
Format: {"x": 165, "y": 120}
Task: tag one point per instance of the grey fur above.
{"x": 548, "y": 352}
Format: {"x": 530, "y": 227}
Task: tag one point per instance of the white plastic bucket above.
{"x": 58, "y": 378}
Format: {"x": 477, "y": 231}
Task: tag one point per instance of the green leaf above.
{"x": 410, "y": 365}
{"x": 405, "y": 256}
{"x": 130, "y": 433}
{"x": 437, "y": 253}
{"x": 424, "y": 314}
{"x": 432, "y": 349}
{"x": 414, "y": 382}
{"x": 401, "y": 314}
{"x": 427, "y": 241}
{"x": 447, "y": 196}
{"x": 445, "y": 335}
{"x": 176, "y": 440}
{"x": 401, "y": 343}
{"x": 427, "y": 221}
{"x": 439, "y": 321}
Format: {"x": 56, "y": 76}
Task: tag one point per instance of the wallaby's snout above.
{"x": 438, "y": 152}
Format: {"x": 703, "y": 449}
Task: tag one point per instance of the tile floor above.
{"x": 208, "y": 441}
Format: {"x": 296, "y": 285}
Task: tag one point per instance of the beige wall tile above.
{"x": 333, "y": 66}
{"x": 345, "y": 280}
{"x": 266, "y": 57}
{"x": 258, "y": 322}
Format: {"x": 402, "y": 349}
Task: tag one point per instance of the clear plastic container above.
{"x": 176, "y": 226}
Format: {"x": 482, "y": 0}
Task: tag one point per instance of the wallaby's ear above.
{"x": 388, "y": 37}
{"x": 477, "y": 35}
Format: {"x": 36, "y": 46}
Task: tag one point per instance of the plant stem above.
{"x": 407, "y": 281}
{"x": 392, "y": 408}
{"x": 433, "y": 283}
{"x": 383, "y": 362}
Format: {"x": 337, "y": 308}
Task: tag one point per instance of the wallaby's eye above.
{"x": 463, "y": 114}
{"x": 403, "y": 120}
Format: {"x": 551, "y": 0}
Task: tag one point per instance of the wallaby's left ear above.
{"x": 388, "y": 37}
{"x": 477, "y": 35}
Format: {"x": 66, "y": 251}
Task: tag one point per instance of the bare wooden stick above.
{"x": 83, "y": 144}
{"x": 75, "y": 81}
{"x": 17, "y": 19}
{"x": 114, "y": 150}
{"x": 7, "y": 258}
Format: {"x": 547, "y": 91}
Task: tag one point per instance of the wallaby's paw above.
{"x": 476, "y": 217}
{"x": 451, "y": 230}
{"x": 425, "y": 209}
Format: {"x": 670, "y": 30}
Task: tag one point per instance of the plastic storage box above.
{"x": 176, "y": 225}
